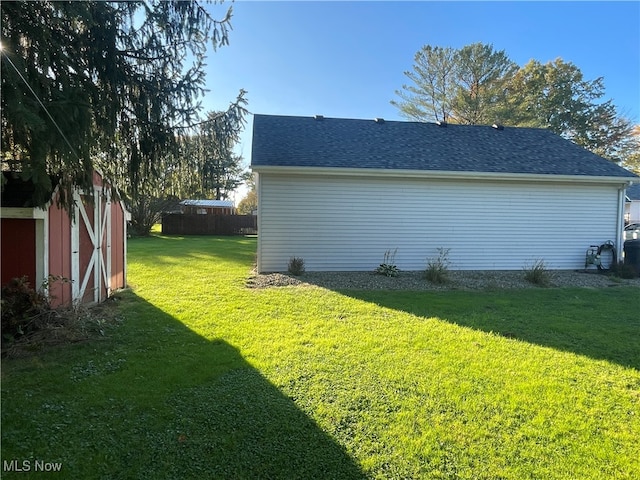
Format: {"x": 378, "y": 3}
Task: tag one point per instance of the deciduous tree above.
{"x": 432, "y": 94}
{"x": 479, "y": 85}
{"x": 482, "y": 74}
{"x": 631, "y": 151}
{"x": 459, "y": 86}
{"x": 556, "y": 96}
{"x": 249, "y": 203}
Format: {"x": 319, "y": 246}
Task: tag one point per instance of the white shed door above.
{"x": 91, "y": 248}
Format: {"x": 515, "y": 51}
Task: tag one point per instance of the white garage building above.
{"x": 341, "y": 192}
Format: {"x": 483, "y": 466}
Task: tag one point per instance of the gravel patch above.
{"x": 458, "y": 280}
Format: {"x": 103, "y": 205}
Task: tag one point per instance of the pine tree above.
{"x": 100, "y": 84}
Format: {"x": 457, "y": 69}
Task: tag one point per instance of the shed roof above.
{"x": 17, "y": 192}
{"x": 289, "y": 141}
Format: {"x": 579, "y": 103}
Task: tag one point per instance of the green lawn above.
{"x": 204, "y": 378}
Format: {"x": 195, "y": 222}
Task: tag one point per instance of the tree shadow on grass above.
{"x": 602, "y": 324}
{"x": 163, "y": 402}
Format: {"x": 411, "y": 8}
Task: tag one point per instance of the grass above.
{"x": 208, "y": 379}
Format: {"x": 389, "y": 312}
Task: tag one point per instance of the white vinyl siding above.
{"x": 633, "y": 210}
{"x": 347, "y": 223}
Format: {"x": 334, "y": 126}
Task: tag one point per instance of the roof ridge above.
{"x": 385, "y": 120}
{"x": 296, "y": 141}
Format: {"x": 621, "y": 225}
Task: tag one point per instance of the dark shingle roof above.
{"x": 17, "y": 192}
{"x": 633, "y": 192}
{"x": 349, "y": 143}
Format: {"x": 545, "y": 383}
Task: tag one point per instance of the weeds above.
{"x": 623, "y": 270}
{"x": 388, "y": 266}
{"x": 438, "y": 267}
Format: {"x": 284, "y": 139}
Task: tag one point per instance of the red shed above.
{"x": 90, "y": 249}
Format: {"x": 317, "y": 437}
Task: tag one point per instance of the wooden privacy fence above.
{"x": 193, "y": 224}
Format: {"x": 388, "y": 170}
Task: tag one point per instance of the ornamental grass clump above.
{"x": 296, "y": 266}
{"x": 388, "y": 266}
{"x": 537, "y": 273}
{"x": 438, "y": 267}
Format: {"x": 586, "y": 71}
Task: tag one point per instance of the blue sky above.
{"x": 346, "y": 59}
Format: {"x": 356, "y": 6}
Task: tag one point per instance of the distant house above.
{"x": 207, "y": 207}
{"x": 340, "y": 192}
{"x": 632, "y": 204}
{"x": 88, "y": 250}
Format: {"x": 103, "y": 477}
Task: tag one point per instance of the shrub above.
{"x": 537, "y": 273}
{"x": 21, "y": 307}
{"x": 296, "y": 266}
{"x": 30, "y": 324}
{"x": 388, "y": 266}
{"x": 438, "y": 267}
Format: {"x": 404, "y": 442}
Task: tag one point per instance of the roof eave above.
{"x": 444, "y": 175}
{"x": 23, "y": 212}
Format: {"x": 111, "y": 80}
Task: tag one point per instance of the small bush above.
{"x": 387, "y": 270}
{"x": 21, "y": 308}
{"x": 438, "y": 267}
{"x": 296, "y": 266}
{"x": 537, "y": 273}
{"x": 388, "y": 266}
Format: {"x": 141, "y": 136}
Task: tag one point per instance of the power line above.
{"x": 40, "y": 102}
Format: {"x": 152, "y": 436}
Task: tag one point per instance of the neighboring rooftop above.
{"x": 633, "y": 192}
{"x": 208, "y": 203}
{"x": 373, "y": 144}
